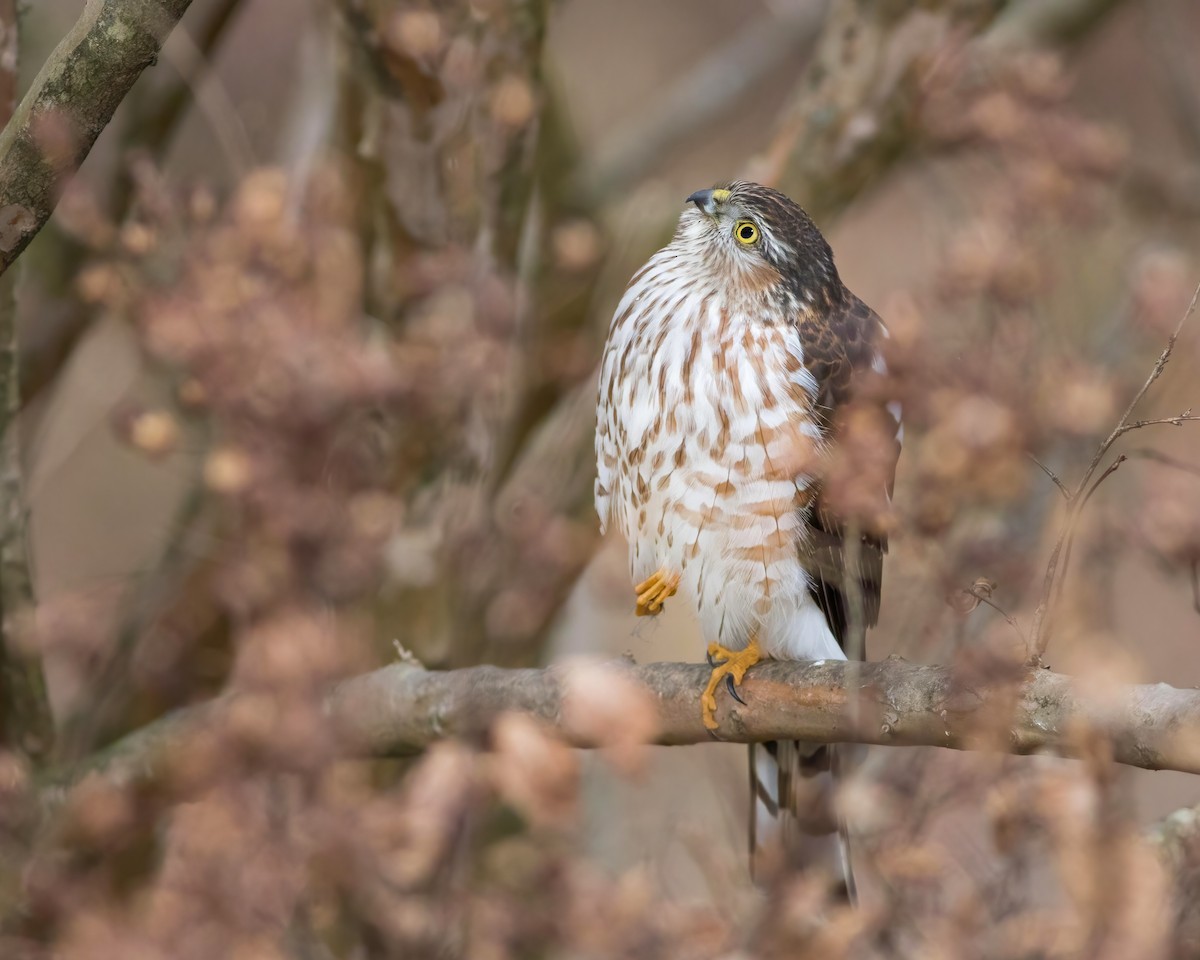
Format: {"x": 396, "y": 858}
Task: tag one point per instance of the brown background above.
{"x": 100, "y": 513}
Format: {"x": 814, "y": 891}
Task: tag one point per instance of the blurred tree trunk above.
{"x": 148, "y": 122}
{"x": 25, "y": 721}
{"x": 461, "y": 167}
{"x": 463, "y": 171}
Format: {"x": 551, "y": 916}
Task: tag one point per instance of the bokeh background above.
{"x": 1036, "y": 238}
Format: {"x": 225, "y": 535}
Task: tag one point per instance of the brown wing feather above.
{"x": 841, "y": 344}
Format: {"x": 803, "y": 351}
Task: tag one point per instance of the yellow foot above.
{"x": 652, "y": 593}
{"x": 731, "y": 664}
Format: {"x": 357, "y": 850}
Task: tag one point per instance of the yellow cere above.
{"x": 746, "y": 231}
{"x": 720, "y": 196}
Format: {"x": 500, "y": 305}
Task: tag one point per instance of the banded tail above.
{"x": 794, "y": 827}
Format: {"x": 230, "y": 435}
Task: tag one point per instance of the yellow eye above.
{"x": 746, "y": 232}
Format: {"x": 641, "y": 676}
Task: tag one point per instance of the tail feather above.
{"x": 793, "y": 824}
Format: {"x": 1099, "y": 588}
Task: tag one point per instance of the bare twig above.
{"x": 1166, "y": 460}
{"x": 976, "y": 590}
{"x": 1053, "y": 476}
{"x": 1108, "y": 472}
{"x": 1077, "y": 499}
{"x": 71, "y": 101}
{"x": 1185, "y": 417}
{"x": 1066, "y": 557}
{"x": 1123, "y": 425}
{"x": 103, "y": 710}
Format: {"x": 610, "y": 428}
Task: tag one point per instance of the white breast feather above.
{"x": 688, "y": 457}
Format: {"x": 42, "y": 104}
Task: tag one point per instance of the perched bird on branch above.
{"x": 746, "y": 451}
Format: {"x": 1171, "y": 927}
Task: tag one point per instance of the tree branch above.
{"x": 26, "y": 722}
{"x": 701, "y": 96}
{"x": 403, "y": 708}
{"x": 71, "y": 101}
{"x": 1083, "y": 491}
{"x": 856, "y": 109}
{"x": 1031, "y": 22}
{"x": 1176, "y": 840}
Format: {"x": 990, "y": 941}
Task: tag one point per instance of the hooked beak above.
{"x": 706, "y": 201}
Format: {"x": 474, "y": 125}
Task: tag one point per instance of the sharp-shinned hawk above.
{"x": 731, "y": 361}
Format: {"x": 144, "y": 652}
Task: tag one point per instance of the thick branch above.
{"x": 71, "y": 101}
{"x": 26, "y": 724}
{"x": 403, "y": 708}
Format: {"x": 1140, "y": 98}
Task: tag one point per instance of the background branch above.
{"x": 857, "y": 111}
{"x": 153, "y": 116}
{"x": 71, "y": 101}
{"x": 1079, "y": 497}
{"x": 702, "y": 95}
{"x": 26, "y": 723}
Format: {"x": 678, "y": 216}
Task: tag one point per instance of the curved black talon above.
{"x": 733, "y": 689}
{"x": 711, "y": 662}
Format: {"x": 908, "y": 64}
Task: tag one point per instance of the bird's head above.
{"x": 757, "y": 237}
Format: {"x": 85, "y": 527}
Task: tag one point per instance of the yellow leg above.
{"x": 652, "y": 593}
{"x": 729, "y": 663}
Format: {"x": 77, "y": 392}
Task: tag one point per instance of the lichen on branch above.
{"x": 71, "y": 101}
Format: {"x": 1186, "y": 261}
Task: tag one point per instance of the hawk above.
{"x": 730, "y": 364}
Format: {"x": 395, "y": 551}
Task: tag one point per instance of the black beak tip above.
{"x": 700, "y": 198}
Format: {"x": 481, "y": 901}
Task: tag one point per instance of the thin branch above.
{"x": 1123, "y": 425}
{"x": 1041, "y": 616}
{"x": 403, "y": 708}
{"x": 1185, "y": 417}
{"x": 158, "y": 115}
{"x": 1166, "y": 460}
{"x": 1053, "y": 476}
{"x": 1108, "y": 472}
{"x": 978, "y": 593}
{"x": 1066, "y": 559}
{"x": 71, "y": 101}
{"x": 104, "y": 707}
